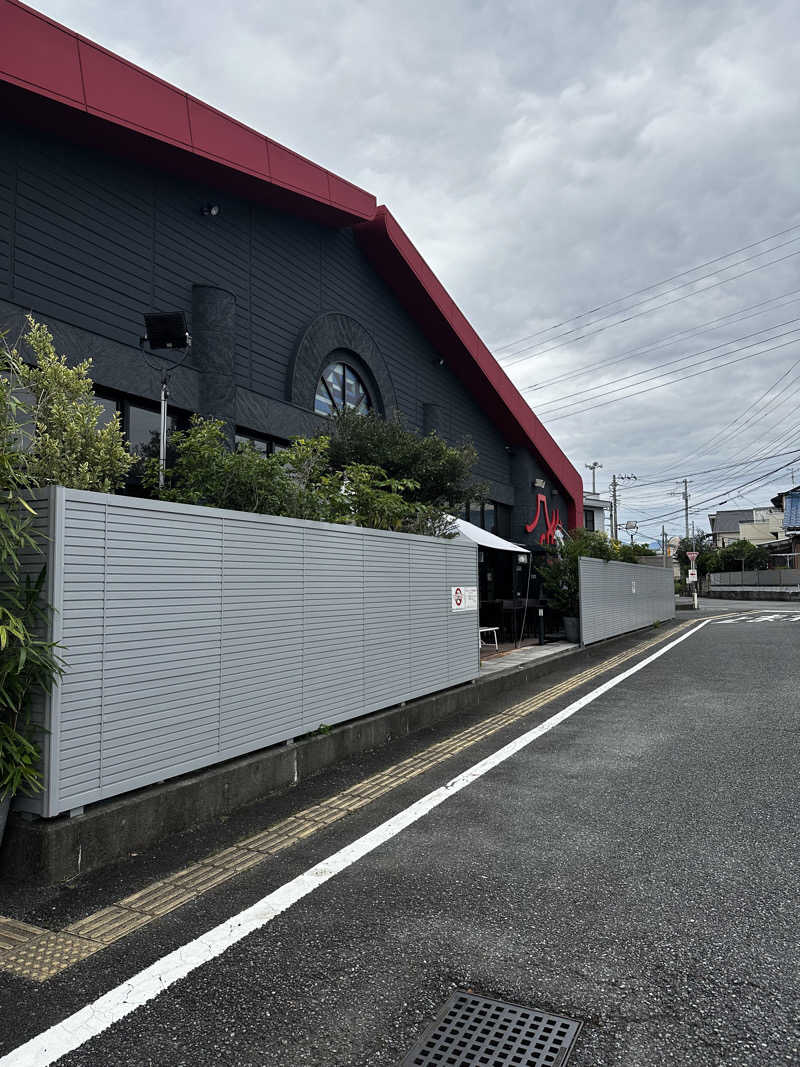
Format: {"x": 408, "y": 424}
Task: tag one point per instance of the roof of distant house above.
{"x": 727, "y": 522}
{"x": 62, "y": 82}
{"x": 791, "y": 510}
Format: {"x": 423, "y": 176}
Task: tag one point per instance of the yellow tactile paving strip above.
{"x": 38, "y": 954}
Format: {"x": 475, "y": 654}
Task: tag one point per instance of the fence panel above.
{"x": 192, "y": 635}
{"x": 780, "y": 576}
{"x": 618, "y": 597}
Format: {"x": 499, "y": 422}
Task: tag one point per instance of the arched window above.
{"x": 341, "y": 387}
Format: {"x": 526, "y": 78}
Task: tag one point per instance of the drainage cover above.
{"x": 471, "y": 1030}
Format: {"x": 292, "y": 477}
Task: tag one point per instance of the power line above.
{"x": 655, "y": 285}
{"x": 711, "y": 470}
{"x": 517, "y": 356}
{"x": 692, "y": 331}
{"x": 758, "y": 480}
{"x": 679, "y": 359}
{"x": 673, "y": 381}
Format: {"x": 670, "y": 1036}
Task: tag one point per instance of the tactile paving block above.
{"x": 13, "y": 933}
{"x": 46, "y": 955}
{"x": 234, "y": 859}
{"x": 472, "y": 1031}
{"x": 109, "y": 924}
{"x": 158, "y": 898}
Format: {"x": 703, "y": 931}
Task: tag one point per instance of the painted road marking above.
{"x": 777, "y": 616}
{"x": 143, "y": 987}
{"x": 50, "y": 953}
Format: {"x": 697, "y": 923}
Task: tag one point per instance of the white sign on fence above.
{"x": 464, "y": 598}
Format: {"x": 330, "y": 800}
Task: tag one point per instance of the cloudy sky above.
{"x": 640, "y": 158}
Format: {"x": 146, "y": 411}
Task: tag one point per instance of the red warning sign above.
{"x": 458, "y": 597}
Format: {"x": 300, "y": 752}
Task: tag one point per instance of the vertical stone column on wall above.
{"x": 213, "y": 347}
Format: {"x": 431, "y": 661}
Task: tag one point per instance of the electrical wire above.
{"x": 672, "y": 362}
{"x": 521, "y": 356}
{"x": 654, "y": 285}
{"x": 687, "y": 334}
{"x": 672, "y": 381}
{"x": 759, "y": 480}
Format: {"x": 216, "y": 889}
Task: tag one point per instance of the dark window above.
{"x": 261, "y": 442}
{"x": 341, "y": 387}
{"x": 475, "y": 514}
{"x": 489, "y": 517}
{"x": 503, "y": 520}
{"x": 108, "y": 408}
{"x": 588, "y": 519}
{"x": 144, "y": 427}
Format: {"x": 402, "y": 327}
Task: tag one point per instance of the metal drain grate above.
{"x": 471, "y": 1031}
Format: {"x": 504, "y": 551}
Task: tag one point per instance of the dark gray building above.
{"x": 120, "y": 195}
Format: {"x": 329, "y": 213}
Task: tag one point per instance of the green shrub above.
{"x": 27, "y": 660}
{"x": 67, "y": 446}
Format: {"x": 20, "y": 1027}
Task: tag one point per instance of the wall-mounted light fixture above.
{"x": 539, "y": 483}
{"x": 165, "y": 330}
{"x": 210, "y": 209}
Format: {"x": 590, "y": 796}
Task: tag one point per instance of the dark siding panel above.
{"x": 99, "y": 242}
{"x": 285, "y": 285}
{"x": 7, "y": 171}
{"x": 351, "y": 286}
{"x": 79, "y": 253}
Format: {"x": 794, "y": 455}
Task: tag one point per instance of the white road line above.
{"x": 108, "y": 1009}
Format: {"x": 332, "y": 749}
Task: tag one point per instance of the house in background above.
{"x": 594, "y": 511}
{"x": 766, "y": 527}
{"x": 787, "y": 548}
{"x": 725, "y": 525}
{"x": 122, "y": 195}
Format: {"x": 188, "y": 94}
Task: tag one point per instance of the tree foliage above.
{"x": 300, "y": 482}
{"x": 739, "y": 555}
{"x": 67, "y": 445}
{"x": 442, "y": 473}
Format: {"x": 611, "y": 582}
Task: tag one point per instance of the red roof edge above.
{"x": 396, "y": 259}
{"x": 65, "y": 82}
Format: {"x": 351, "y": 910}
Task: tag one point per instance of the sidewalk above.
{"x": 524, "y": 656}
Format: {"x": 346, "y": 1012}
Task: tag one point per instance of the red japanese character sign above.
{"x": 551, "y": 522}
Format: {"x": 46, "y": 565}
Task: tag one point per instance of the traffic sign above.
{"x": 692, "y": 575}
{"x": 692, "y": 556}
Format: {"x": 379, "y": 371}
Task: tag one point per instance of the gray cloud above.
{"x": 545, "y": 159}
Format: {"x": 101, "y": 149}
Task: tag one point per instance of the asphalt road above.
{"x": 634, "y": 868}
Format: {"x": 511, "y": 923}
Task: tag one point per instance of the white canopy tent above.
{"x": 483, "y": 537}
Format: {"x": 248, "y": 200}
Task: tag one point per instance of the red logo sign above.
{"x": 458, "y": 596}
{"x": 551, "y": 522}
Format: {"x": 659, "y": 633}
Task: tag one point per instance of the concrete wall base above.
{"x": 761, "y": 593}
{"x": 48, "y": 851}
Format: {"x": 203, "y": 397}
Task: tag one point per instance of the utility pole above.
{"x": 685, "y": 494}
{"x": 593, "y": 468}
{"x": 663, "y": 546}
{"x": 615, "y": 480}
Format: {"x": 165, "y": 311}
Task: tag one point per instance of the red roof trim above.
{"x": 394, "y": 256}
{"x": 53, "y": 62}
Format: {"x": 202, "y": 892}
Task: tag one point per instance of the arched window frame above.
{"x": 341, "y": 387}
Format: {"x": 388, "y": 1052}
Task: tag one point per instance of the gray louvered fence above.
{"x": 619, "y": 597}
{"x": 193, "y": 635}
